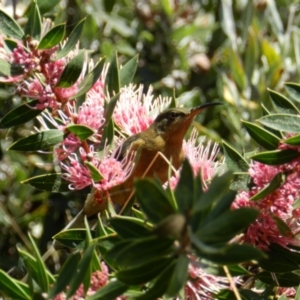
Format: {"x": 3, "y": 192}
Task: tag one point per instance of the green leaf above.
{"x": 32, "y": 266}
{"x": 234, "y": 160}
{"x": 144, "y": 273}
{"x": 5, "y": 67}
{"x": 49, "y": 182}
{"x": 294, "y": 140}
{"x": 52, "y": 37}
{"x": 276, "y": 157}
{"x": 184, "y": 192}
{"x": 10, "y": 27}
{"x": 20, "y": 115}
{"x": 160, "y": 285}
{"x": 282, "y": 122}
{"x": 71, "y": 237}
{"x": 64, "y": 277}
{"x": 282, "y": 280}
{"x": 72, "y": 40}
{"x": 128, "y": 227}
{"x": 293, "y": 89}
{"x": 46, "y": 5}
{"x": 283, "y": 228}
{"x": 107, "y": 134}
{"x": 89, "y": 80}
{"x": 80, "y": 271}
{"x": 110, "y": 107}
{"x": 110, "y": 291}
{"x": 216, "y": 190}
{"x": 72, "y": 71}
{"x": 112, "y": 80}
{"x": 261, "y": 136}
{"x": 227, "y": 255}
{"x": 42, "y": 278}
{"x": 153, "y": 199}
{"x": 227, "y": 225}
{"x": 96, "y": 175}
{"x": 39, "y": 141}
{"x": 127, "y": 71}
{"x": 139, "y": 252}
{"x": 282, "y": 104}
{"x": 34, "y": 24}
{"x": 179, "y": 276}
{"x": 83, "y": 132}
{"x": 241, "y": 181}
{"x": 13, "y": 288}
{"x": 277, "y": 181}
{"x": 10, "y": 44}
{"x": 278, "y": 263}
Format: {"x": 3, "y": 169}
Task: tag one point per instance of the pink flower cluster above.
{"x": 41, "y": 73}
{"x": 276, "y": 207}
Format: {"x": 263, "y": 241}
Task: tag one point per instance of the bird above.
{"x": 157, "y": 146}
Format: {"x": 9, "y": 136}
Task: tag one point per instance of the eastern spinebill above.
{"x": 157, "y": 146}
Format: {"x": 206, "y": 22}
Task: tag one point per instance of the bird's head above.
{"x": 174, "y": 122}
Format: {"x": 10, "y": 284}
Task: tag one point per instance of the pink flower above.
{"x": 278, "y": 204}
{"x": 135, "y": 111}
{"x": 200, "y": 284}
{"x": 202, "y": 158}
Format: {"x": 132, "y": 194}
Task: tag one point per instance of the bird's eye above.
{"x": 173, "y": 115}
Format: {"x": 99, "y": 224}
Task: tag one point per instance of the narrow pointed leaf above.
{"x": 284, "y": 280}
{"x": 42, "y": 278}
{"x": 71, "y": 237}
{"x": 141, "y": 251}
{"x": 276, "y": 157}
{"x": 281, "y": 122}
{"x": 277, "y": 181}
{"x": 10, "y": 27}
{"x": 64, "y": 277}
{"x": 128, "y": 227}
{"x": 234, "y": 160}
{"x": 127, "y": 72}
{"x": 294, "y": 140}
{"x": 179, "y": 276}
{"x": 52, "y": 37}
{"x": 10, "y": 44}
{"x": 282, "y": 104}
{"x": 143, "y": 273}
{"x": 160, "y": 285}
{"x": 153, "y": 199}
{"x": 112, "y": 80}
{"x": 90, "y": 79}
{"x": 83, "y": 132}
{"x": 261, "y": 136}
{"x": 72, "y": 40}
{"x": 49, "y": 182}
{"x": 227, "y": 225}
{"x": 278, "y": 263}
{"x": 81, "y": 270}
{"x": 20, "y": 115}
{"x": 13, "y": 288}
{"x": 5, "y": 67}
{"x": 96, "y": 175}
{"x": 184, "y": 192}
{"x": 39, "y": 141}
{"x": 216, "y": 190}
{"x": 72, "y": 71}
{"x": 34, "y": 24}
{"x": 110, "y": 291}
{"x": 293, "y": 89}
{"x": 283, "y": 228}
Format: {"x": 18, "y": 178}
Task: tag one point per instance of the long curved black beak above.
{"x": 195, "y": 110}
